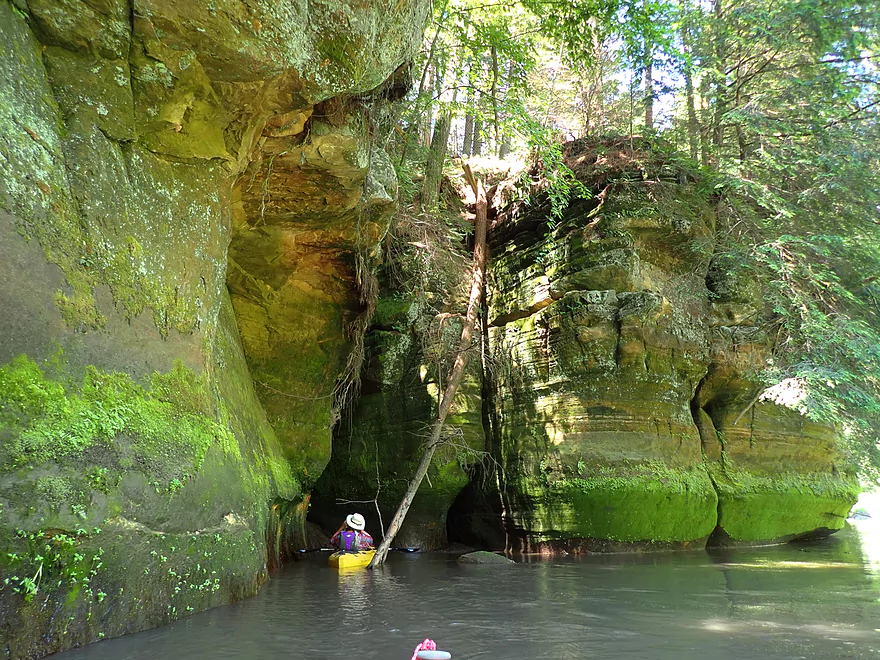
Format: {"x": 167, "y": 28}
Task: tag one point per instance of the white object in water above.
{"x": 434, "y": 655}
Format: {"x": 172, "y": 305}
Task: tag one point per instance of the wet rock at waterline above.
{"x": 483, "y": 557}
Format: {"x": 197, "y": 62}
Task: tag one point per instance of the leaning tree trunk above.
{"x": 455, "y": 377}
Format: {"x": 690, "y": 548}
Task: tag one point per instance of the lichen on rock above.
{"x": 133, "y": 433}
{"x": 623, "y": 378}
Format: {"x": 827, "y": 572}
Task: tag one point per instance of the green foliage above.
{"x": 50, "y": 559}
{"x": 559, "y": 182}
{"x": 407, "y": 188}
{"x": 55, "y": 490}
{"x": 828, "y": 336}
{"x": 67, "y": 570}
{"x": 101, "y": 480}
{"x": 475, "y": 60}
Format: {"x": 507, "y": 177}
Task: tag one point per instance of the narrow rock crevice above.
{"x": 709, "y": 441}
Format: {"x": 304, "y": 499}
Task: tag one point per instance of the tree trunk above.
{"x": 692, "y": 123}
{"x": 464, "y": 346}
{"x": 495, "y": 97}
{"x": 595, "y": 103}
{"x": 705, "y": 146}
{"x": 468, "y": 139}
{"x": 693, "y": 126}
{"x": 426, "y": 118}
{"x": 436, "y": 158}
{"x": 470, "y": 104}
{"x": 649, "y": 91}
{"x": 737, "y": 104}
{"x": 506, "y": 146}
{"x": 506, "y": 138}
{"x": 423, "y": 81}
{"x": 477, "y": 144}
{"x": 721, "y": 101}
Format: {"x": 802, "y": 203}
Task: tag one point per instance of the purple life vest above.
{"x": 348, "y": 541}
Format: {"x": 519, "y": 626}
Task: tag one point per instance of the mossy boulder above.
{"x": 778, "y": 474}
{"x": 594, "y": 388}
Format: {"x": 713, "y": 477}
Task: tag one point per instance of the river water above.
{"x": 820, "y": 600}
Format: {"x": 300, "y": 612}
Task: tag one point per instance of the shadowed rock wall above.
{"x": 150, "y": 151}
{"x": 379, "y": 443}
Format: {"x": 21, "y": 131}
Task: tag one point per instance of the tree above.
{"x": 455, "y": 376}
{"x": 780, "y": 102}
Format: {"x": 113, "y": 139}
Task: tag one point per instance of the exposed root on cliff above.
{"x": 349, "y": 382}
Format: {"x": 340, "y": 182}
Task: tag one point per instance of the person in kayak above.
{"x": 351, "y": 536}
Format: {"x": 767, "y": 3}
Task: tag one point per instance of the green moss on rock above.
{"x": 96, "y": 582}
{"x": 777, "y": 507}
{"x": 171, "y": 423}
{"x": 638, "y": 504}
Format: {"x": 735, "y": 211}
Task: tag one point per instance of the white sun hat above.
{"x": 356, "y": 521}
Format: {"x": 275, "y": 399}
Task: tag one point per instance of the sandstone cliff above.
{"x": 617, "y": 392}
{"x": 191, "y": 201}
{"x": 624, "y": 414}
{"x": 185, "y": 187}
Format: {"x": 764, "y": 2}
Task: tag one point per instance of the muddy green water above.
{"x": 796, "y": 601}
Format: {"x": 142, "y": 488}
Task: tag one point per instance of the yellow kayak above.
{"x": 351, "y": 559}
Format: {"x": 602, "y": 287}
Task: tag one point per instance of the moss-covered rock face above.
{"x": 151, "y": 498}
{"x": 778, "y": 475}
{"x": 619, "y": 378}
{"x": 141, "y": 144}
{"x": 379, "y": 443}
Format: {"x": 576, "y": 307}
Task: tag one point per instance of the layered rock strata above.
{"x": 151, "y": 151}
{"x": 618, "y": 402}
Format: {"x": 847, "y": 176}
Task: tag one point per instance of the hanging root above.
{"x": 349, "y": 384}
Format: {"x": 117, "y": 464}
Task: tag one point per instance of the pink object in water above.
{"x": 427, "y": 645}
